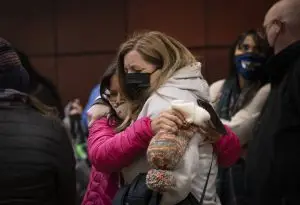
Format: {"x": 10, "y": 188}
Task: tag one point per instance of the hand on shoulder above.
{"x": 96, "y": 112}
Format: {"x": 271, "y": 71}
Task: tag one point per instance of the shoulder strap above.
{"x": 207, "y": 178}
{"x": 120, "y": 197}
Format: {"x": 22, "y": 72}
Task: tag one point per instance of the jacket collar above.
{"x": 279, "y": 65}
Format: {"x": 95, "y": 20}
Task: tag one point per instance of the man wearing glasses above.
{"x": 273, "y": 165}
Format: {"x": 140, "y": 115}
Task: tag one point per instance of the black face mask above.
{"x": 136, "y": 83}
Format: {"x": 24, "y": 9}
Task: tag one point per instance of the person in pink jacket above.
{"x": 110, "y": 150}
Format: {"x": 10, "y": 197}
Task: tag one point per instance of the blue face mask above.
{"x": 249, "y": 65}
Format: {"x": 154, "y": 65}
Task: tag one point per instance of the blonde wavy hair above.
{"x": 164, "y": 52}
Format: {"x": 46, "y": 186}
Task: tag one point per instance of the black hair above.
{"x": 105, "y": 84}
{"x": 231, "y": 87}
{"x": 36, "y": 78}
{"x": 263, "y": 48}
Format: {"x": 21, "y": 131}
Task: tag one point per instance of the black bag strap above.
{"x": 119, "y": 198}
{"x": 207, "y": 178}
{"x": 190, "y": 199}
{"x": 155, "y": 199}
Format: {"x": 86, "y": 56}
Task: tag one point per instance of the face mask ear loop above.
{"x": 153, "y": 72}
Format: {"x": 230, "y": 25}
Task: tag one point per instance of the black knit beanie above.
{"x": 12, "y": 74}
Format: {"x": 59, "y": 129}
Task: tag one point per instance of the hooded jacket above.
{"x": 37, "y": 161}
{"x": 186, "y": 84}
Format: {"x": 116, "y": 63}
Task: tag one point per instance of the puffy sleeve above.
{"x": 228, "y": 148}
{"x": 110, "y": 151}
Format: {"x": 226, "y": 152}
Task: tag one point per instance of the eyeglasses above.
{"x": 116, "y": 104}
{"x": 113, "y": 98}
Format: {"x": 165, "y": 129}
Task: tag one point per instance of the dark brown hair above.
{"x": 105, "y": 84}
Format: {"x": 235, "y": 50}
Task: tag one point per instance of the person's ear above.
{"x": 278, "y": 26}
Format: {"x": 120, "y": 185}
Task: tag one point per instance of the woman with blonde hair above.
{"x": 155, "y": 69}
{"x": 113, "y": 145}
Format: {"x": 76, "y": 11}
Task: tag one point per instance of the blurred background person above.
{"x": 153, "y": 70}
{"x": 239, "y": 100}
{"x": 78, "y": 132}
{"x": 92, "y": 97}
{"x": 36, "y": 157}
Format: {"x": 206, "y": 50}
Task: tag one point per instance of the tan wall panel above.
{"x": 90, "y": 25}
{"x": 227, "y": 19}
{"x": 28, "y": 25}
{"x": 84, "y": 34}
{"x": 77, "y": 75}
{"x": 216, "y": 64}
{"x": 183, "y": 20}
{"x": 46, "y": 67}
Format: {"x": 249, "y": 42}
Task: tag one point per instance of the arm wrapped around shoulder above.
{"x": 167, "y": 149}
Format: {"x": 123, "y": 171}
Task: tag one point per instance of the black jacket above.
{"x": 37, "y": 165}
{"x": 273, "y": 163}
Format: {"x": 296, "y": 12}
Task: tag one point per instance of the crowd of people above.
{"x": 153, "y": 131}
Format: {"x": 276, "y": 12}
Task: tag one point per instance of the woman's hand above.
{"x": 169, "y": 121}
{"x": 96, "y": 112}
{"x": 209, "y": 133}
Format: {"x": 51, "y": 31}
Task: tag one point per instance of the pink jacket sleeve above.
{"x": 109, "y": 151}
{"x": 228, "y": 148}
